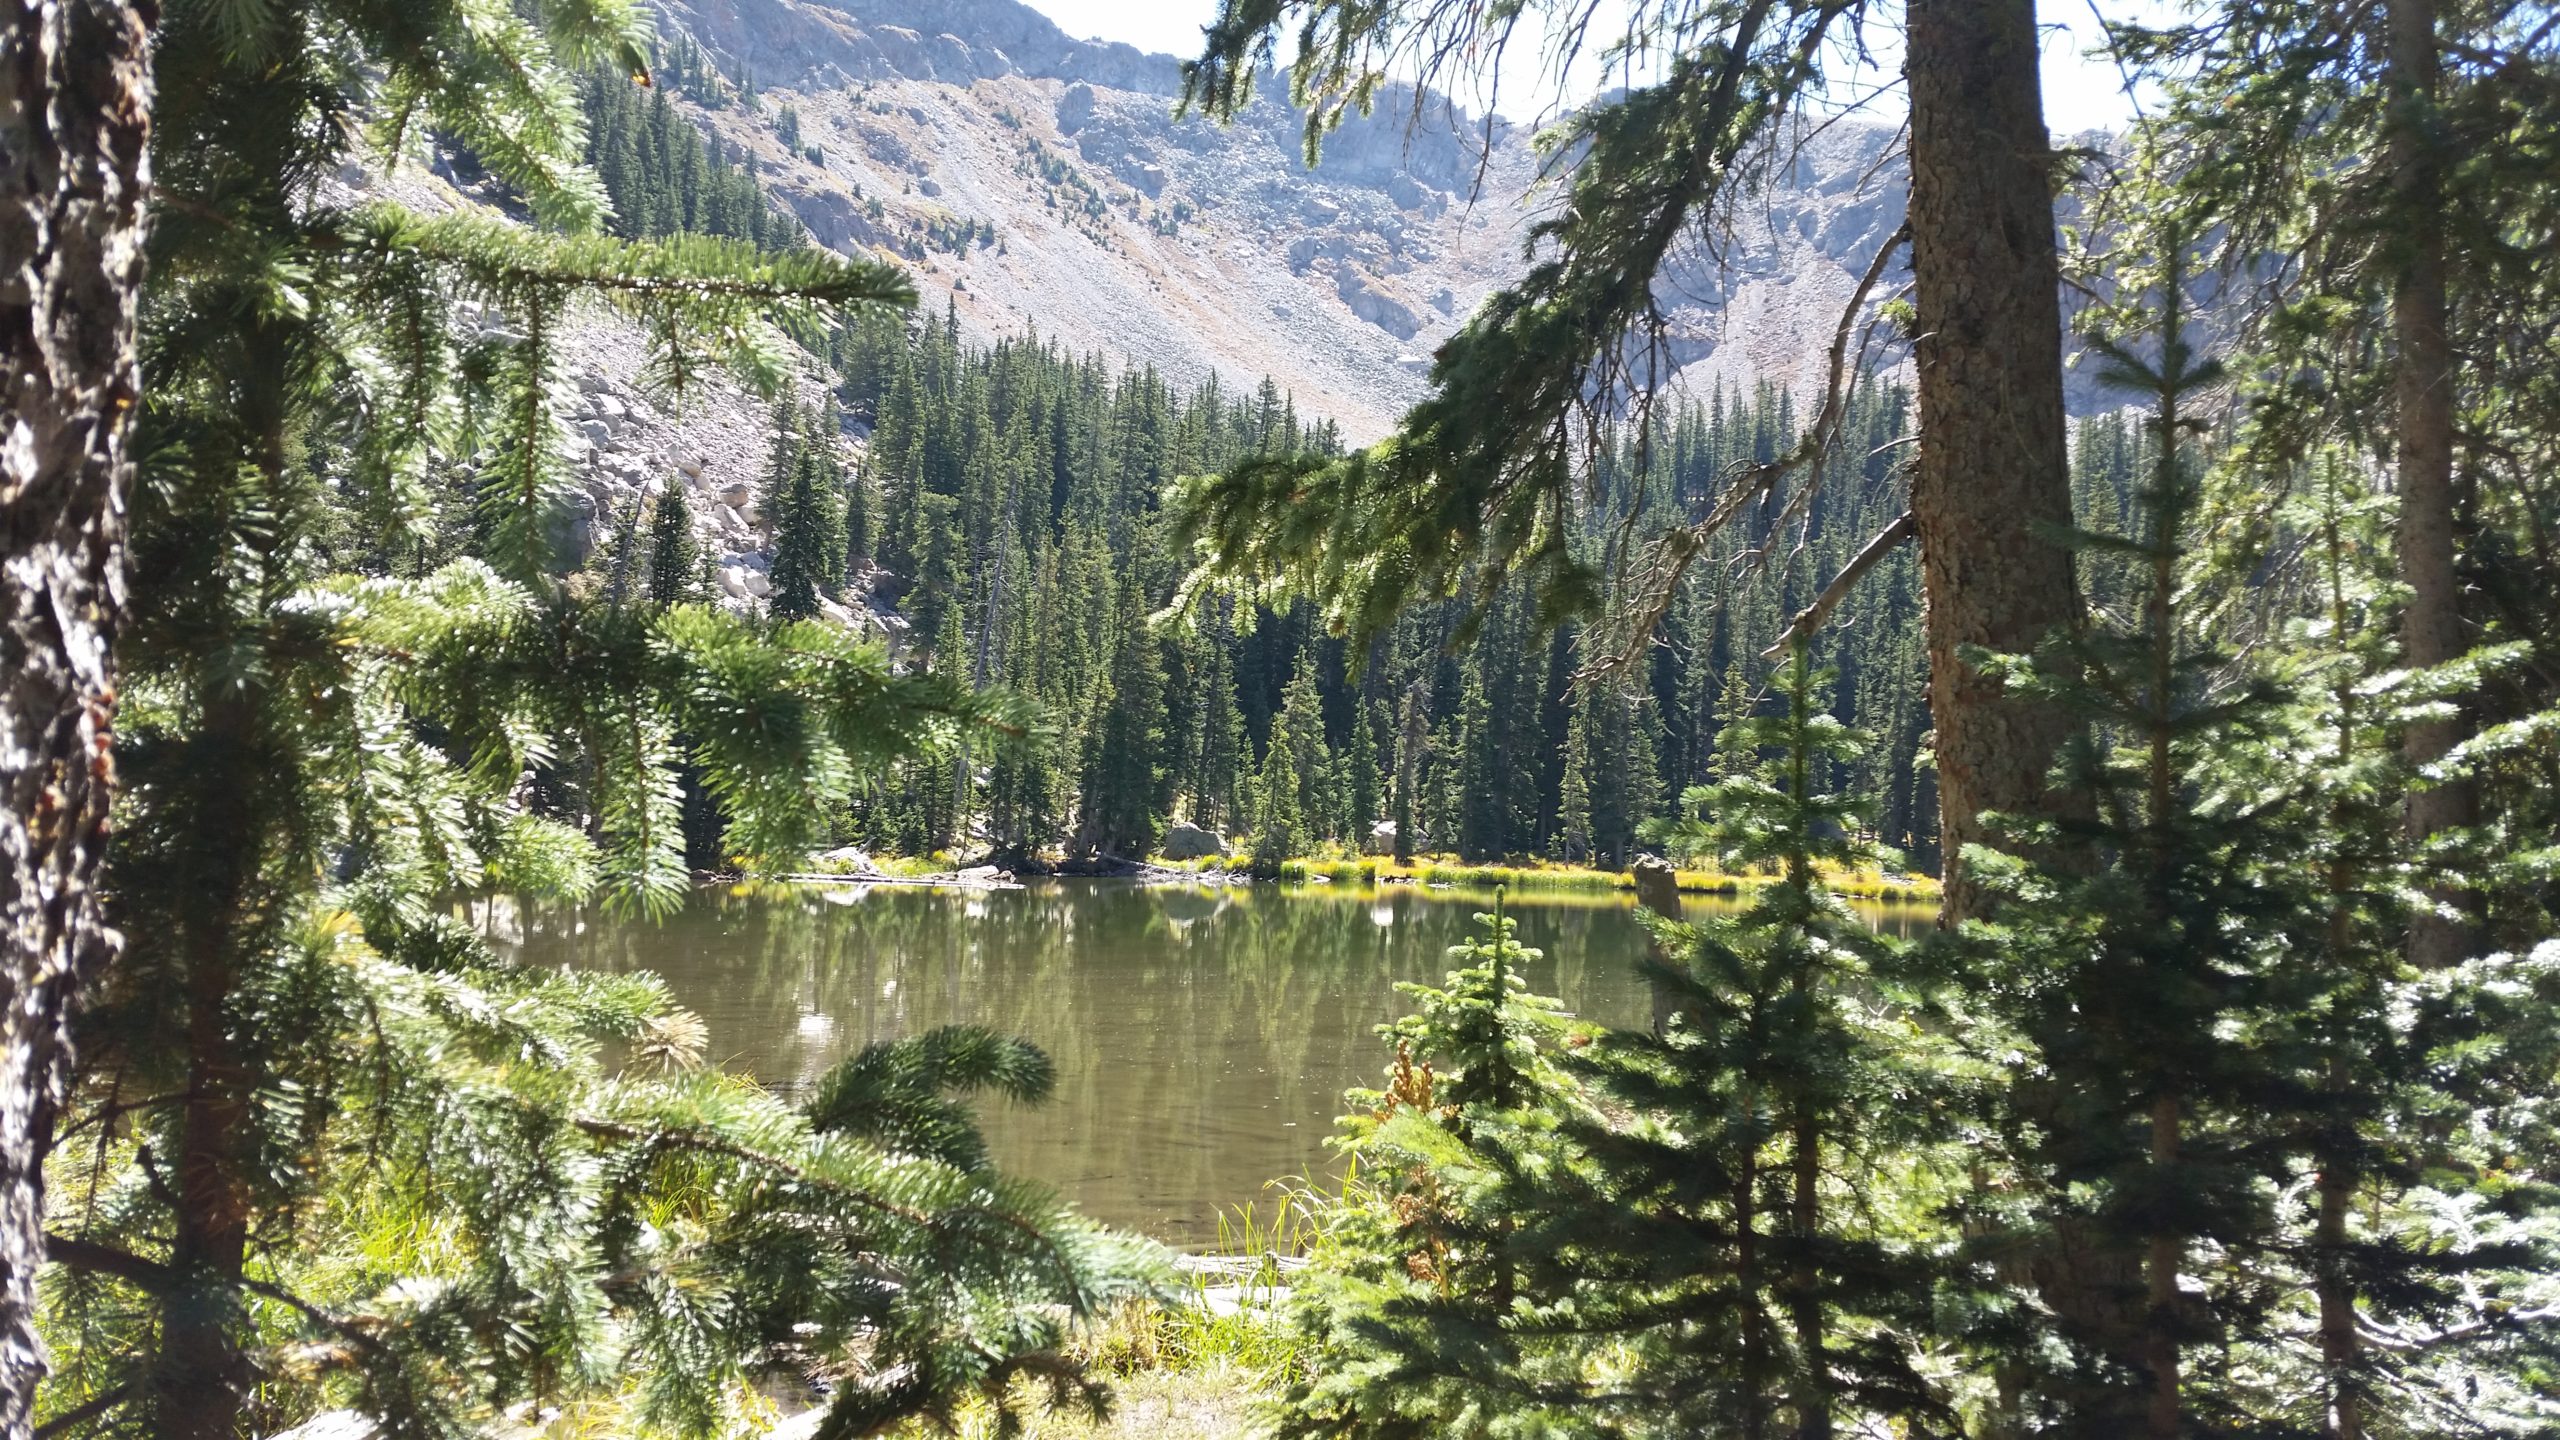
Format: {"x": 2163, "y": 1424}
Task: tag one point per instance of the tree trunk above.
{"x": 1993, "y": 474}
{"x": 75, "y": 90}
{"x": 2334, "y": 1279}
{"x": 2341, "y": 1343}
{"x": 202, "y": 1375}
{"x": 2431, "y": 626}
{"x": 2160, "y": 1276}
{"x": 1748, "y": 1286}
{"x": 1994, "y": 465}
{"x": 1804, "y": 1300}
{"x": 1415, "y": 740}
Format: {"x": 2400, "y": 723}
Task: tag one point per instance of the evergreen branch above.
{"x": 532, "y": 451}
{"x": 584, "y": 31}
{"x": 1041, "y": 1240}
{"x": 86, "y": 1411}
{"x": 628, "y": 1134}
{"x": 116, "y": 1108}
{"x": 2383, "y": 1337}
{"x": 504, "y": 256}
{"x": 89, "y": 1256}
{"x": 162, "y": 1279}
{"x": 1472, "y": 489}
{"x": 1636, "y": 620}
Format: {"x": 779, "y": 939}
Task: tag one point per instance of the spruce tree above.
{"x": 1279, "y": 827}
{"x": 1413, "y": 743}
{"x": 2233, "y": 1074}
{"x": 1573, "y": 817}
{"x": 2328, "y": 751}
{"x": 679, "y": 185}
{"x": 2151, "y": 989}
{"x": 1125, "y": 791}
{"x": 334, "y": 1128}
{"x": 1628, "y": 777}
{"x": 1028, "y": 777}
{"x": 1684, "y": 1234}
{"x": 948, "y": 809}
{"x": 1360, "y": 760}
{"x": 858, "y": 540}
{"x": 2389, "y": 168}
{"x": 1483, "y": 782}
{"x": 1783, "y": 1086}
{"x": 807, "y": 545}
{"x": 1301, "y": 719}
{"x": 1224, "y": 756}
{"x": 671, "y": 546}
{"x": 1419, "y": 1321}
{"x": 940, "y": 567}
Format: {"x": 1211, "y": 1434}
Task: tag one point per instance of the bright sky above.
{"x": 2079, "y": 93}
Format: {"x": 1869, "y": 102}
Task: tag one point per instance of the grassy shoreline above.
{"x": 1525, "y": 880}
{"x": 1870, "y": 886}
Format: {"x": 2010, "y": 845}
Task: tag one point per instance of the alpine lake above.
{"x": 1203, "y": 1035}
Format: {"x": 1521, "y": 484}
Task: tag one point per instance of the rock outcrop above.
{"x": 1190, "y": 842}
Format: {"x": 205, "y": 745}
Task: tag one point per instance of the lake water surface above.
{"x": 1203, "y": 1037}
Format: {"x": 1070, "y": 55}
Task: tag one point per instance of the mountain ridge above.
{"x": 1099, "y": 220}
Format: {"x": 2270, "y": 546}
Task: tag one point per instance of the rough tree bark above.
{"x": 2431, "y": 626}
{"x": 1993, "y": 473}
{"x": 75, "y": 93}
{"x": 1994, "y": 464}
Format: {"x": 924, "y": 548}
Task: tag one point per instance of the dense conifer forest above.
{"x": 1010, "y": 506}
{"x": 663, "y": 176}
{"x": 1010, "y": 502}
{"x": 1008, "y": 511}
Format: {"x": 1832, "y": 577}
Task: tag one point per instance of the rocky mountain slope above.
{"x": 1041, "y": 182}
{"x": 623, "y": 444}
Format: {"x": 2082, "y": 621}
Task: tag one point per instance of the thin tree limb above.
{"x": 86, "y": 1411}
{"x": 1671, "y": 553}
{"x": 1811, "y": 617}
{"x": 99, "y": 1259}
{"x": 2405, "y": 1344}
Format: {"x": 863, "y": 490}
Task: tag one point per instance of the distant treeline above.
{"x": 1010, "y": 494}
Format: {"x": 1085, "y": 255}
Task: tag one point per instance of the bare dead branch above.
{"x": 1654, "y": 583}
{"x": 1811, "y": 617}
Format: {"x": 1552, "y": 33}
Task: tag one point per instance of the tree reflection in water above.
{"x": 1203, "y": 1037}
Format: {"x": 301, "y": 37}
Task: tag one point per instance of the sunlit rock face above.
{"x": 1201, "y": 248}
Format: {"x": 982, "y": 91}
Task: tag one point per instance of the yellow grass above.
{"x": 1531, "y": 880}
